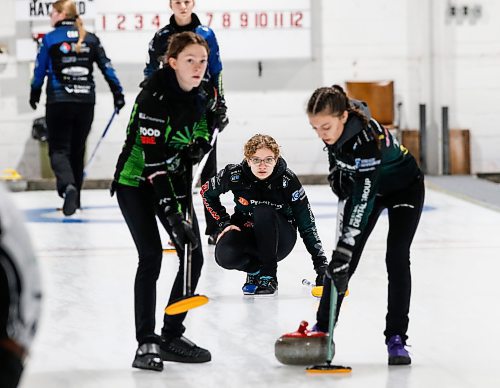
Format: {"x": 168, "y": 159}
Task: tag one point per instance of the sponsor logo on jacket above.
{"x": 298, "y": 195}
{"x": 75, "y": 71}
{"x": 212, "y": 212}
{"x": 149, "y": 135}
{"x": 77, "y": 89}
{"x": 359, "y": 209}
{"x": 277, "y": 206}
{"x": 65, "y": 47}
{"x": 366, "y": 164}
{"x": 144, "y": 116}
{"x": 243, "y": 201}
{"x": 235, "y": 176}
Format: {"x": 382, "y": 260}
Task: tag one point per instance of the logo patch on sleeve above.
{"x": 243, "y": 201}
{"x": 298, "y": 194}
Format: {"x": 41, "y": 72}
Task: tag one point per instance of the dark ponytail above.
{"x": 334, "y": 101}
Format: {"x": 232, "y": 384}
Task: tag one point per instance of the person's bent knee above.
{"x": 227, "y": 261}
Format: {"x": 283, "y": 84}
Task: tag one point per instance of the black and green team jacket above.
{"x": 374, "y": 164}
{"x": 164, "y": 120}
{"x": 282, "y": 191}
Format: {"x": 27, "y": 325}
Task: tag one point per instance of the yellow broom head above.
{"x": 186, "y": 304}
{"x": 328, "y": 369}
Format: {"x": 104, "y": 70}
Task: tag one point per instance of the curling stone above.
{"x": 302, "y": 347}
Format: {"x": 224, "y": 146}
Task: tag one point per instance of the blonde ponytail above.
{"x": 68, "y": 7}
{"x": 81, "y": 33}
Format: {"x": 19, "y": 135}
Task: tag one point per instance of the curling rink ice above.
{"x": 86, "y": 334}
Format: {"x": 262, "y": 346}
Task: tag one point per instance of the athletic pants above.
{"x": 68, "y": 125}
{"x": 260, "y": 247}
{"x": 138, "y": 206}
{"x": 404, "y": 210}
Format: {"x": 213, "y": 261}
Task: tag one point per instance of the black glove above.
{"x": 320, "y": 275}
{"x": 195, "y": 151}
{"x": 220, "y": 116}
{"x": 118, "y": 101}
{"x": 338, "y": 269}
{"x": 39, "y": 129}
{"x": 182, "y": 231}
{"x": 341, "y": 183}
{"x": 35, "y": 97}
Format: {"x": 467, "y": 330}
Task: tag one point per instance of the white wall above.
{"x": 432, "y": 59}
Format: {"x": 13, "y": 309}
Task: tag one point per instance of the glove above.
{"x": 338, "y": 269}
{"x": 182, "y": 231}
{"x": 340, "y": 182}
{"x": 195, "y": 151}
{"x": 320, "y": 274}
{"x": 39, "y": 129}
{"x": 118, "y": 101}
{"x": 35, "y": 97}
{"x": 220, "y": 115}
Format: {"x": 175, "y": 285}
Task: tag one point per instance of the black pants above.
{"x": 404, "y": 210}
{"x": 270, "y": 240}
{"x": 139, "y": 210}
{"x": 208, "y": 172}
{"x": 68, "y": 126}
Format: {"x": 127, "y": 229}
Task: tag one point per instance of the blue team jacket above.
{"x": 69, "y": 74}
{"x": 158, "y": 48}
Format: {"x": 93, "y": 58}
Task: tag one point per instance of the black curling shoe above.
{"x": 70, "y": 200}
{"x": 180, "y": 349}
{"x": 148, "y": 357}
{"x": 267, "y": 286}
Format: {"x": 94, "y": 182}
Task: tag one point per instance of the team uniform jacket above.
{"x": 158, "y": 48}
{"x": 282, "y": 190}
{"x": 370, "y": 162}
{"x": 69, "y": 73}
{"x": 164, "y": 120}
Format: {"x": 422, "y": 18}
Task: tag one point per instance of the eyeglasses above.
{"x": 269, "y": 161}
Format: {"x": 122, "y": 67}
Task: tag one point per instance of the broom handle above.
{"x": 331, "y": 322}
{"x": 203, "y": 161}
{"x": 187, "y": 246}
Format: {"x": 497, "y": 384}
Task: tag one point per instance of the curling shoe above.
{"x": 251, "y": 283}
{"x": 70, "y": 200}
{"x": 180, "y": 349}
{"x": 267, "y": 286}
{"x": 398, "y": 355}
{"x": 148, "y": 357}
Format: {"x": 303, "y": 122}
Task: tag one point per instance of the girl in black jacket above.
{"x": 270, "y": 205}
{"x": 166, "y": 132}
{"x": 370, "y": 171}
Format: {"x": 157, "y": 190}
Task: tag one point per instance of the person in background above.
{"x": 270, "y": 205}
{"x": 20, "y": 293}
{"x": 183, "y": 19}
{"x": 66, "y": 57}
{"x": 370, "y": 172}
{"x": 167, "y": 133}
